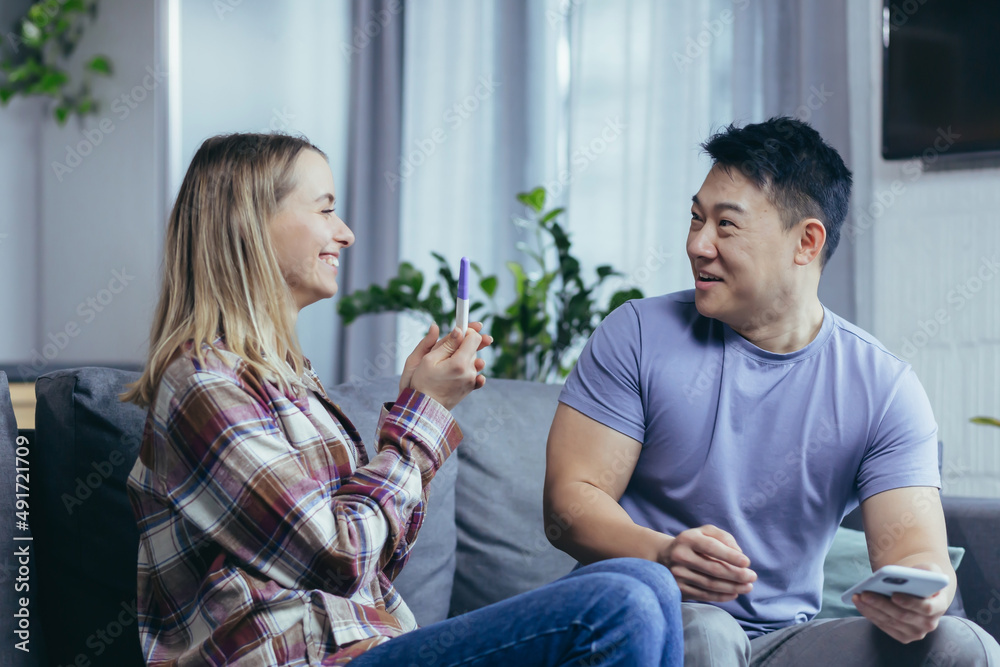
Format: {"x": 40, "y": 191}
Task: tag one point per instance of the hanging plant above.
{"x": 33, "y": 57}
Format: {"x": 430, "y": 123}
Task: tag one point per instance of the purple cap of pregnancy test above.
{"x": 463, "y": 279}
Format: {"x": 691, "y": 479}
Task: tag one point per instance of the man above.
{"x": 725, "y": 432}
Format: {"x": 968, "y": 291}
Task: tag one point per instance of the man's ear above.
{"x": 812, "y": 239}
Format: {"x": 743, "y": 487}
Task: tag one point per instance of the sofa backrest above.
{"x": 483, "y": 537}
{"x": 502, "y": 547}
{"x": 487, "y": 546}
{"x": 85, "y": 535}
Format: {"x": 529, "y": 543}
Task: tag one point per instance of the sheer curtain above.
{"x": 602, "y": 102}
{"x": 650, "y": 82}
{"x": 605, "y": 103}
{"x": 476, "y": 97}
{"x": 791, "y": 58}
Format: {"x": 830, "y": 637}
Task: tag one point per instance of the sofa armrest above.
{"x": 974, "y": 524}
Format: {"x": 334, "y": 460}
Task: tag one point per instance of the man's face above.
{"x": 741, "y": 257}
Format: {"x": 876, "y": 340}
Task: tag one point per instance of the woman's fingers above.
{"x": 426, "y": 344}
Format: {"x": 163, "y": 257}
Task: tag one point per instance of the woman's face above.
{"x": 307, "y": 235}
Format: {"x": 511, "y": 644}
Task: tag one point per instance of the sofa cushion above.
{"x": 502, "y": 548}
{"x": 847, "y": 564}
{"x": 426, "y": 580}
{"x": 86, "y": 536}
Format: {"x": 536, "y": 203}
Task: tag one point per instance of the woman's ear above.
{"x": 812, "y": 239}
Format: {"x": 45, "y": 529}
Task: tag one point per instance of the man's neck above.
{"x": 790, "y": 331}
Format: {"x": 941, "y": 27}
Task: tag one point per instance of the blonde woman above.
{"x": 267, "y": 537}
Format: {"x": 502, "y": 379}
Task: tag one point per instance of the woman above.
{"x": 267, "y": 536}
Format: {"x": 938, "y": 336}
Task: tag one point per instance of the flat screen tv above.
{"x": 941, "y": 76}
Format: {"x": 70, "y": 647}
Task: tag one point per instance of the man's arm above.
{"x": 588, "y": 467}
{"x": 906, "y": 526}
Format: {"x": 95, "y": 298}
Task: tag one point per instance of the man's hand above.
{"x": 708, "y": 565}
{"x": 903, "y": 617}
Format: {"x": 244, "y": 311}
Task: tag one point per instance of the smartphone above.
{"x": 899, "y": 579}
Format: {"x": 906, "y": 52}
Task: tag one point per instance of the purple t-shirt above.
{"x": 773, "y": 448}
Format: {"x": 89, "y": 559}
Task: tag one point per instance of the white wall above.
{"x": 84, "y": 205}
{"x": 929, "y": 274}
{"x": 20, "y": 128}
{"x": 74, "y": 225}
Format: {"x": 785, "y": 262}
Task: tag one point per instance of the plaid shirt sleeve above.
{"x": 233, "y": 468}
{"x": 241, "y": 484}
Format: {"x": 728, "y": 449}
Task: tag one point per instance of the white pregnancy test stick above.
{"x": 462, "y": 302}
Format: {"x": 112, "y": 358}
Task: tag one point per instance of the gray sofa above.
{"x": 482, "y": 541}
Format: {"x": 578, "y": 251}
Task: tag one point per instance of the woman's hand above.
{"x": 447, "y": 369}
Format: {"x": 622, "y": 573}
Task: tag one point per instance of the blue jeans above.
{"x": 624, "y": 611}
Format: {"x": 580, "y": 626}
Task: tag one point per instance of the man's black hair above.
{"x": 802, "y": 175}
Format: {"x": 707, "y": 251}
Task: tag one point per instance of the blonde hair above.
{"x": 220, "y": 273}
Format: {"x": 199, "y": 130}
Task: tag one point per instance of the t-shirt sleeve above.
{"x": 904, "y": 450}
{"x": 604, "y": 384}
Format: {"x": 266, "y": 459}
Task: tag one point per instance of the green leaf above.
{"x": 5, "y": 95}
{"x": 620, "y": 297}
{"x": 52, "y": 81}
{"x": 38, "y": 16}
{"x": 23, "y": 73}
{"x": 559, "y": 236}
{"x": 519, "y": 278}
{"x": 551, "y": 214}
{"x": 987, "y": 421}
{"x": 606, "y": 270}
{"x": 487, "y": 284}
{"x": 61, "y": 114}
{"x": 534, "y": 199}
{"x": 100, "y": 64}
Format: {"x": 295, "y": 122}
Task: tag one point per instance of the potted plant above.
{"x": 33, "y": 57}
{"x": 554, "y": 308}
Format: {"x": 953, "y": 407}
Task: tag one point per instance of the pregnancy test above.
{"x": 462, "y": 302}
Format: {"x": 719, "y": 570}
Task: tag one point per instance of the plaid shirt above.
{"x": 265, "y": 538}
